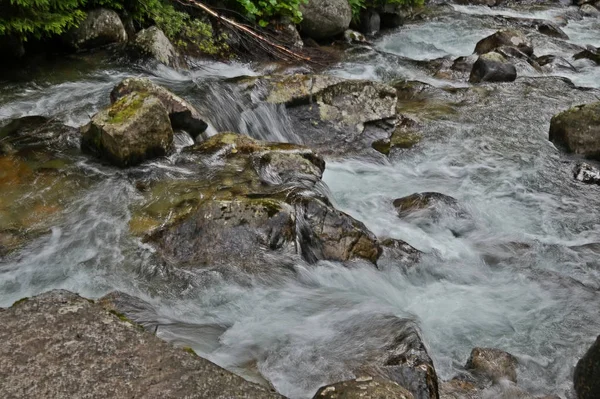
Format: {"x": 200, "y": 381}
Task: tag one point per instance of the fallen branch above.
{"x": 235, "y": 25}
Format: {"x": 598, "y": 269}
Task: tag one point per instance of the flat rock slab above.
{"x": 60, "y": 345}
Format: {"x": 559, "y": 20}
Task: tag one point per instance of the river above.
{"x": 523, "y": 275}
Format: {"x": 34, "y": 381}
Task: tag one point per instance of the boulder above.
{"x": 133, "y": 129}
{"x": 363, "y": 388}
{"x": 586, "y": 173}
{"x": 589, "y": 11}
{"x": 577, "y": 130}
{"x": 492, "y": 364}
{"x": 509, "y": 37}
{"x": 100, "y": 27}
{"x": 182, "y": 114}
{"x": 328, "y": 113}
{"x": 492, "y": 67}
{"x": 550, "y": 29}
{"x": 263, "y": 198}
{"x": 322, "y": 19}
{"x": 587, "y": 373}
{"x": 61, "y": 345}
{"x": 152, "y": 42}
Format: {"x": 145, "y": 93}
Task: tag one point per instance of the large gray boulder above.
{"x": 587, "y": 373}
{"x": 260, "y": 198}
{"x": 577, "y": 130}
{"x": 131, "y": 130}
{"x": 492, "y": 67}
{"x": 60, "y": 345}
{"x": 100, "y": 27}
{"x": 325, "y": 18}
{"x": 508, "y": 38}
{"x": 492, "y": 364}
{"x": 153, "y": 43}
{"x": 182, "y": 114}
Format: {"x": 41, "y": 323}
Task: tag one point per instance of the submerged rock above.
{"x": 322, "y": 19}
{"x": 131, "y": 130}
{"x": 587, "y": 173}
{"x": 37, "y": 133}
{"x": 181, "y": 113}
{"x": 553, "y": 63}
{"x": 364, "y": 388}
{"x": 587, "y": 373}
{"x": 422, "y": 201}
{"x": 509, "y": 38}
{"x": 59, "y": 344}
{"x": 100, "y": 27}
{"x": 152, "y": 42}
{"x": 492, "y": 67}
{"x": 591, "y": 53}
{"x": 577, "y": 130}
{"x": 492, "y": 364}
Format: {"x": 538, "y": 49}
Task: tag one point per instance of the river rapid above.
{"x": 523, "y": 276}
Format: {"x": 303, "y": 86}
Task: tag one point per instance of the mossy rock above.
{"x": 577, "y": 130}
{"x": 133, "y": 129}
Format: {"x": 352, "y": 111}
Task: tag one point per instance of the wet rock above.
{"x": 509, "y": 37}
{"x": 37, "y": 133}
{"x": 329, "y": 113}
{"x": 352, "y": 36}
{"x": 459, "y": 389}
{"x": 181, "y": 113}
{"x": 422, "y": 201}
{"x": 550, "y": 29}
{"x": 589, "y": 11}
{"x": 401, "y": 138}
{"x": 590, "y": 53}
{"x": 587, "y": 373}
{"x": 152, "y": 42}
{"x": 492, "y": 364}
{"x": 492, "y": 67}
{"x": 322, "y": 19}
{"x": 61, "y": 345}
{"x": 100, "y": 27}
{"x": 370, "y": 22}
{"x": 587, "y": 173}
{"x": 133, "y": 129}
{"x": 397, "y": 253}
{"x": 262, "y": 200}
{"x": 554, "y": 63}
{"x": 577, "y": 130}
{"x": 363, "y": 388}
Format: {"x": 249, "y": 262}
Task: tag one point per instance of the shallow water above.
{"x": 518, "y": 277}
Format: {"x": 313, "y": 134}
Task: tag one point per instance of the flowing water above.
{"x": 523, "y": 275}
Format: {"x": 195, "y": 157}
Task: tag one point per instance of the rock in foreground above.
{"x": 59, "y": 345}
{"x": 587, "y": 373}
{"x": 133, "y": 129}
{"x": 577, "y": 130}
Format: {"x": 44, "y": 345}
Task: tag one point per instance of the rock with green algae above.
{"x": 182, "y": 114}
{"x": 133, "y": 129}
{"x": 257, "y": 199}
{"x": 59, "y": 344}
{"x": 400, "y": 138}
{"x": 577, "y": 130}
{"x": 364, "y": 388}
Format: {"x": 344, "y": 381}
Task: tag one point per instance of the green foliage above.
{"x": 39, "y": 18}
{"x": 264, "y": 10}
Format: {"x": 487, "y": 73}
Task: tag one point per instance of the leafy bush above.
{"x": 39, "y": 18}
{"x": 263, "y": 10}
{"x": 358, "y": 5}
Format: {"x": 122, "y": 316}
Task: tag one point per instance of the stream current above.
{"x": 524, "y": 277}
